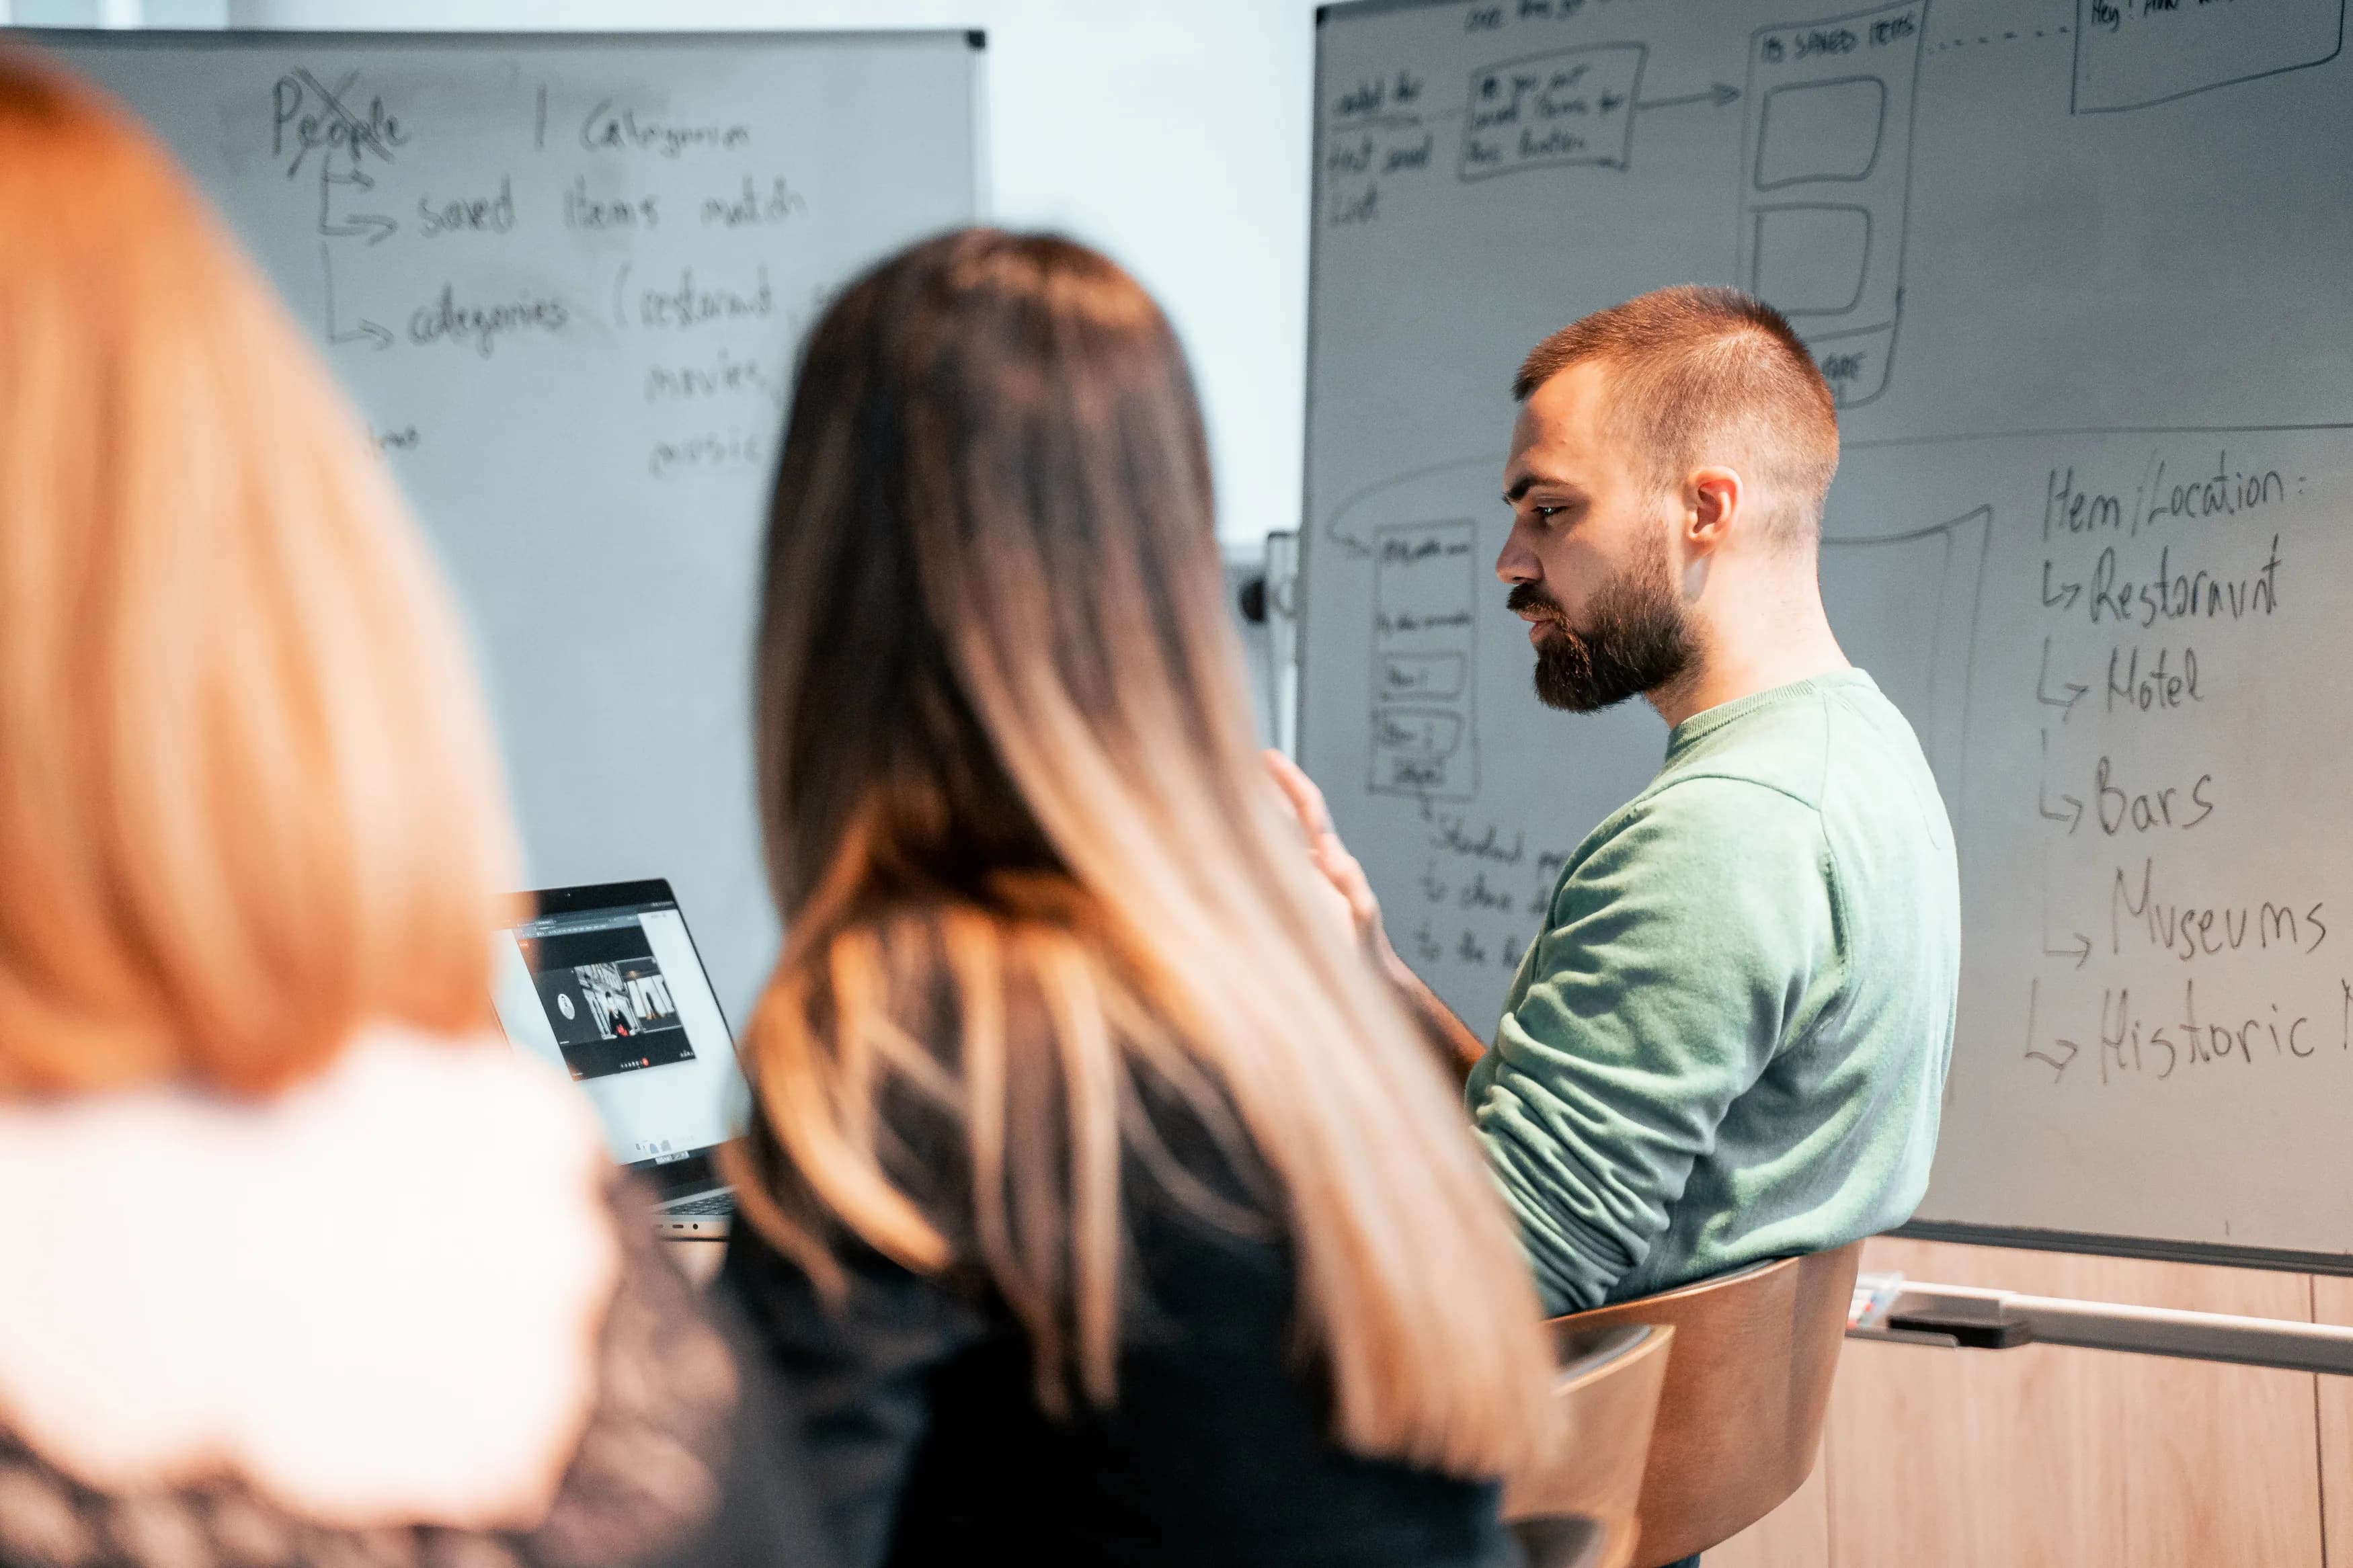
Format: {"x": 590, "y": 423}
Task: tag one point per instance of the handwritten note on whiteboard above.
{"x": 2074, "y": 273}
{"x": 564, "y": 279}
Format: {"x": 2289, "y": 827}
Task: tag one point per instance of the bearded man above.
{"x": 1728, "y": 1042}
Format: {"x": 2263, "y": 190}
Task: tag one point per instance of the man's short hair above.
{"x": 1692, "y": 366}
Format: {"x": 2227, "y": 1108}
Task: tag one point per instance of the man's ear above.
{"x": 1713, "y": 500}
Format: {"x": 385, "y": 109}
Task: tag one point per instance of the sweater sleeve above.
{"x": 1682, "y": 949}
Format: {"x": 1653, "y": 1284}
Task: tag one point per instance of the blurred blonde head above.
{"x": 247, "y": 798}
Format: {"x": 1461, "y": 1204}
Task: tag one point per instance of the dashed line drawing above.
{"x": 1826, "y": 183}
{"x": 2012, "y": 37}
{"x": 1425, "y": 739}
{"x": 2134, "y": 54}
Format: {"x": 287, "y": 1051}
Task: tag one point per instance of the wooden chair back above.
{"x": 1740, "y": 1416}
{"x": 1580, "y": 1506}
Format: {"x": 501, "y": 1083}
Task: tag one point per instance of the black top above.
{"x": 928, "y": 1445}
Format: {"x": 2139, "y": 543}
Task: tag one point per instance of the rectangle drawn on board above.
{"x": 2131, "y": 54}
{"x": 1562, "y": 110}
{"x": 1425, "y": 738}
{"x": 1907, "y": 606}
{"x": 1422, "y": 675}
{"x": 1826, "y": 183}
{"x": 1809, "y": 130}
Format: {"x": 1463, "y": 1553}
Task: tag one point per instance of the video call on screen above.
{"x": 607, "y": 999}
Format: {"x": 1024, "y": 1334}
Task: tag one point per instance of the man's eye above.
{"x": 1545, "y": 512}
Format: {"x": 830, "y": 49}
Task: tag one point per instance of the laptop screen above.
{"x": 605, "y": 983}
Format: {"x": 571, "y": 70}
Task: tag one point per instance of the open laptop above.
{"x": 604, "y": 981}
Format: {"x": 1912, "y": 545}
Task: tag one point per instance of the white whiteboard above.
{"x": 2080, "y": 276}
{"x": 564, "y": 277}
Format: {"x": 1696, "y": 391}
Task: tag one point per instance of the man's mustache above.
{"x": 1528, "y": 596}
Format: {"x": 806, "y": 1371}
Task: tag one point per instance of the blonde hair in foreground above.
{"x": 247, "y": 800}
{"x": 1030, "y": 861}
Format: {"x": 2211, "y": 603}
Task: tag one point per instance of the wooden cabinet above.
{"x": 2075, "y": 1459}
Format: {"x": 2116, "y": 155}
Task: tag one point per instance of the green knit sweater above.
{"x": 1730, "y": 1039}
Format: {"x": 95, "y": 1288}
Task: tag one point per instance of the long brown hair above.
{"x": 247, "y": 796}
{"x": 1011, "y": 797}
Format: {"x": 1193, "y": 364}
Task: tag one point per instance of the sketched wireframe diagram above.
{"x": 2132, "y": 54}
{"x": 1826, "y": 183}
{"x": 1425, "y": 739}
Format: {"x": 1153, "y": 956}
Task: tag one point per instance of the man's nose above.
{"x": 1516, "y": 564}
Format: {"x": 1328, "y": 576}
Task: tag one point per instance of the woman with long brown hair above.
{"x": 299, "y": 1263}
{"x": 1105, "y": 1205}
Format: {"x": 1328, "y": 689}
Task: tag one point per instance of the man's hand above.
{"x": 1452, "y": 1039}
{"x": 1340, "y": 869}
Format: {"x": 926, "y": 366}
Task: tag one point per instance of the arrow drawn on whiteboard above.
{"x": 366, "y": 330}
{"x": 2081, "y": 953}
{"x": 1721, "y": 93}
{"x": 2082, "y": 950}
{"x": 2058, "y": 1065}
{"x": 375, "y": 227}
{"x": 2066, "y": 596}
{"x": 2074, "y": 819}
{"x": 2074, "y": 691}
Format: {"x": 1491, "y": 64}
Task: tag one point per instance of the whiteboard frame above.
{"x": 976, "y": 39}
{"x": 2152, "y": 1250}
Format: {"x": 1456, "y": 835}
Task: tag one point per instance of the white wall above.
{"x": 1173, "y": 133}
{"x": 115, "y": 13}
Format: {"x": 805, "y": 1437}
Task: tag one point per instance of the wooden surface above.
{"x": 1799, "y": 1532}
{"x": 2075, "y": 1459}
{"x": 2332, "y": 1303}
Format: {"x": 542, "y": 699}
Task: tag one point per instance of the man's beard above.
{"x": 1635, "y": 640}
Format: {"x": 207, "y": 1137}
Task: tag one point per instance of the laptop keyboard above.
{"x": 709, "y": 1204}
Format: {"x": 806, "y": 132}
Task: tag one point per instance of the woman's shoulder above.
{"x": 678, "y": 1458}
{"x": 410, "y": 1292}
